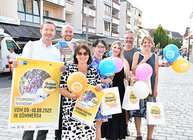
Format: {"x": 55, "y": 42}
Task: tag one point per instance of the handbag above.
{"x": 130, "y": 101}
{"x": 155, "y": 113}
{"x": 111, "y": 102}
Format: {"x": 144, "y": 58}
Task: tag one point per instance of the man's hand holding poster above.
{"x": 35, "y": 95}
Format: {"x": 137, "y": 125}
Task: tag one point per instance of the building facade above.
{"x": 107, "y": 19}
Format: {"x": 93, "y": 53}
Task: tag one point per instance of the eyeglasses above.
{"x": 84, "y": 53}
{"x": 99, "y": 46}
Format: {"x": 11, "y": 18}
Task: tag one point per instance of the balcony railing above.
{"x": 89, "y": 11}
{"x": 90, "y": 29}
{"x": 116, "y": 5}
{"x": 57, "y": 2}
{"x": 57, "y": 22}
{"x": 116, "y": 20}
{"x": 108, "y": 2}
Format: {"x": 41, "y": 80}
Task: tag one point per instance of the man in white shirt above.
{"x": 41, "y": 50}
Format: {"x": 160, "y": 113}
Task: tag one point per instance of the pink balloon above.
{"x": 119, "y": 64}
{"x": 144, "y": 71}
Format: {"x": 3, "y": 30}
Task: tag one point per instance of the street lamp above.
{"x": 87, "y": 3}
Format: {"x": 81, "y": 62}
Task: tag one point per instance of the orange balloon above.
{"x": 77, "y": 83}
{"x": 181, "y": 65}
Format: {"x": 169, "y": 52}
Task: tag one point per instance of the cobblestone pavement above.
{"x": 175, "y": 91}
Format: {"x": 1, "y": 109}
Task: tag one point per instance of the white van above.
{"x": 6, "y": 42}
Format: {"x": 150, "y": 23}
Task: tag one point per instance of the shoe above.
{"x": 139, "y": 138}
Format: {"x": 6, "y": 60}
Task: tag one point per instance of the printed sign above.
{"x": 87, "y": 105}
{"x": 35, "y": 95}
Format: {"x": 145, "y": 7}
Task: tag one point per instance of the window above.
{"x": 11, "y": 44}
{"x": 20, "y": 5}
{"x": 107, "y": 10}
{"x": 29, "y": 10}
{"x": 107, "y": 26}
{"x": 46, "y": 13}
{"x": 29, "y": 6}
{"x": 36, "y": 8}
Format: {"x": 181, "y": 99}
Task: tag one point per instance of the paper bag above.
{"x": 130, "y": 101}
{"x": 155, "y": 113}
{"x": 111, "y": 102}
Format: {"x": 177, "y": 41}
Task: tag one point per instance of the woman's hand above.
{"x": 75, "y": 97}
{"x": 62, "y": 68}
{"x": 134, "y": 79}
{"x": 167, "y": 64}
{"x": 154, "y": 93}
{"x": 107, "y": 81}
{"x": 98, "y": 88}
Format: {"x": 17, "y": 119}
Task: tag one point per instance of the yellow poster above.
{"x": 87, "y": 105}
{"x": 34, "y": 103}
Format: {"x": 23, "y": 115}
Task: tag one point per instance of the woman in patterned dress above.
{"x": 146, "y": 56}
{"x": 71, "y": 128}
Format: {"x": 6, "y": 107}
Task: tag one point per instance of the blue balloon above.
{"x": 171, "y": 53}
{"x": 107, "y": 67}
{"x": 110, "y": 53}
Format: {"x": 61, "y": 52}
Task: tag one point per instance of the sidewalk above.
{"x": 175, "y": 90}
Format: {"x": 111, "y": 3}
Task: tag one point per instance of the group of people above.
{"x": 114, "y": 126}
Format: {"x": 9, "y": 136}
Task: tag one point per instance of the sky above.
{"x": 173, "y": 15}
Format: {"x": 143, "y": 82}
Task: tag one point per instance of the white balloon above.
{"x": 141, "y": 90}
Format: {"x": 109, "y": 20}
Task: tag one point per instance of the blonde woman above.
{"x": 146, "y": 56}
{"x": 115, "y": 128}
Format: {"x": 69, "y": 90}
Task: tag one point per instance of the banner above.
{"x": 87, "y": 105}
{"x": 34, "y": 103}
{"x": 155, "y": 113}
{"x": 111, "y": 102}
{"x": 130, "y": 101}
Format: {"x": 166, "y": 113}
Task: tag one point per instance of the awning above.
{"x": 110, "y": 41}
{"x": 23, "y": 31}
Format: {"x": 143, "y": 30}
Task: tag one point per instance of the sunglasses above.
{"x": 99, "y": 46}
{"x": 84, "y": 53}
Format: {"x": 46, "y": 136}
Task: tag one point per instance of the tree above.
{"x": 176, "y": 42}
{"x": 160, "y": 36}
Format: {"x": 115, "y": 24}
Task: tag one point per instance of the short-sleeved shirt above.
{"x": 92, "y": 76}
{"x": 129, "y": 56}
{"x": 40, "y": 51}
{"x": 12, "y": 56}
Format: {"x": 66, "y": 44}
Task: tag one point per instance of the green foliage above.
{"x": 176, "y": 42}
{"x": 161, "y": 39}
{"x": 160, "y": 36}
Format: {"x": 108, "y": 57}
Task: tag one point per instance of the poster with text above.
{"x": 35, "y": 98}
{"x": 87, "y": 105}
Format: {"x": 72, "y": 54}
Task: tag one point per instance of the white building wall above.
{"x": 123, "y": 21}
{"x": 77, "y": 16}
{"x": 8, "y": 8}
{"x": 99, "y": 17}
